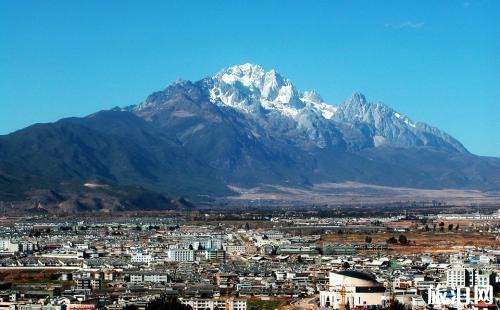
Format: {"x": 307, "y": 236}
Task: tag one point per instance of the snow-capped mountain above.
{"x": 242, "y": 127}
{"x": 250, "y": 89}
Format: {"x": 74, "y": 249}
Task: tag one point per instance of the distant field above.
{"x": 257, "y": 304}
{"x": 32, "y": 276}
{"x": 351, "y": 192}
{"x": 425, "y": 242}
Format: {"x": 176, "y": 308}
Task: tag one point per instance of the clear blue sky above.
{"x": 435, "y": 61}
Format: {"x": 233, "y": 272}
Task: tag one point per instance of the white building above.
{"x": 457, "y": 276}
{"x": 211, "y": 304}
{"x": 29, "y": 306}
{"x": 232, "y": 249}
{"x": 351, "y": 287}
{"x": 136, "y": 278}
{"x": 152, "y": 277}
{"x": 484, "y": 259}
{"x": 456, "y": 259}
{"x": 467, "y": 276}
{"x": 141, "y": 258}
{"x": 215, "y": 255}
{"x": 7, "y": 246}
{"x": 482, "y": 279}
{"x": 181, "y": 255}
{"x": 216, "y": 244}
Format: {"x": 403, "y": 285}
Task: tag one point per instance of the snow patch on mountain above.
{"x": 248, "y": 88}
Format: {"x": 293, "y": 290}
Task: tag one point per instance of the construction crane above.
{"x": 228, "y": 303}
{"x": 342, "y": 298}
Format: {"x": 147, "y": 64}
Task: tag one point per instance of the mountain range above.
{"x": 243, "y": 127}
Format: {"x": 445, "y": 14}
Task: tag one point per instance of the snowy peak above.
{"x": 252, "y": 77}
{"x": 357, "y": 98}
{"x": 250, "y": 88}
{"x": 272, "y": 84}
{"x": 311, "y": 96}
{"x": 249, "y": 75}
{"x": 269, "y": 85}
{"x": 275, "y": 103}
{"x": 358, "y": 109}
{"x": 382, "y": 118}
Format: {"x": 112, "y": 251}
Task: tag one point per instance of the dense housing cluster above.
{"x": 287, "y": 261}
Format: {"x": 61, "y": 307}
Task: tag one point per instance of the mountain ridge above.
{"x": 244, "y": 127}
{"x": 272, "y": 92}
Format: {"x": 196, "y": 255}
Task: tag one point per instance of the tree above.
{"x": 450, "y": 226}
{"x": 392, "y": 240}
{"x": 345, "y": 265}
{"x": 167, "y": 303}
{"x": 395, "y": 305}
{"x": 403, "y": 240}
{"x": 456, "y": 227}
{"x": 368, "y": 239}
